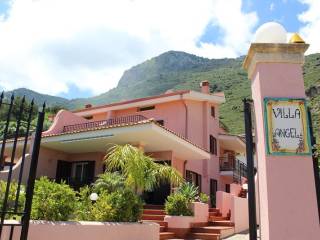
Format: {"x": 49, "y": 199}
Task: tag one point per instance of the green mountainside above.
{"x": 180, "y": 70}
{"x": 38, "y": 97}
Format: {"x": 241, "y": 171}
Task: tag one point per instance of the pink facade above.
{"x": 180, "y": 128}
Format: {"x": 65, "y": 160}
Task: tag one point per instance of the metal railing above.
{"x": 238, "y": 168}
{"x": 104, "y": 123}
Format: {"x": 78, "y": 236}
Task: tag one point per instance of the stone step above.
{"x": 153, "y": 217}
{"x": 210, "y": 229}
{"x": 154, "y": 212}
{"x": 163, "y": 228}
{"x": 204, "y": 236}
{"x": 214, "y": 210}
{"x": 166, "y": 235}
{"x": 218, "y": 218}
{"x": 225, "y": 223}
{"x": 214, "y": 214}
{"x": 151, "y": 206}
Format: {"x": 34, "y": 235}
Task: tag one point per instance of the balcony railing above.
{"x": 104, "y": 123}
{"x": 238, "y": 168}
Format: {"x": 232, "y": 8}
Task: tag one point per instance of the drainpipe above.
{"x": 186, "y": 116}
{"x": 184, "y": 168}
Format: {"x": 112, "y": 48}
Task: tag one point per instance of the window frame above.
{"x": 213, "y": 145}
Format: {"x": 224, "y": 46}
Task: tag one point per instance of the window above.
{"x": 213, "y": 112}
{"x": 228, "y": 188}
{"x": 79, "y": 171}
{"x": 88, "y": 117}
{"x": 213, "y": 191}
{"x": 161, "y": 122}
{"x": 194, "y": 178}
{"x": 141, "y": 109}
{"x": 213, "y": 145}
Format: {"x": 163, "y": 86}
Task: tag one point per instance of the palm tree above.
{"x": 140, "y": 171}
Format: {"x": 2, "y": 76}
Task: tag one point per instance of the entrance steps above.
{"x": 216, "y": 228}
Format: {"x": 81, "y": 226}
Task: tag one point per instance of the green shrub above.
{"x": 120, "y": 206}
{"x": 83, "y": 205}
{"x": 109, "y": 182}
{"x": 204, "y": 198}
{"x": 178, "y": 204}
{"x": 12, "y": 197}
{"x": 189, "y": 190}
{"x": 52, "y": 201}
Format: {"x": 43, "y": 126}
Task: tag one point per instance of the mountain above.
{"x": 38, "y": 97}
{"x": 180, "y": 70}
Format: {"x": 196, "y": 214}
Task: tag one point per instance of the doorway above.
{"x": 159, "y": 195}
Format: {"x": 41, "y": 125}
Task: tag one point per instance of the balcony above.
{"x": 103, "y": 123}
{"x": 231, "y": 164}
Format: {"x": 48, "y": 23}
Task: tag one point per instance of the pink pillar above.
{"x": 287, "y": 195}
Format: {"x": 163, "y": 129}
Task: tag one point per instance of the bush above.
{"x": 12, "y": 197}
{"x": 178, "y": 204}
{"x": 204, "y": 198}
{"x": 189, "y": 190}
{"x": 120, "y": 206}
{"x": 52, "y": 201}
{"x": 83, "y": 205}
{"x": 109, "y": 182}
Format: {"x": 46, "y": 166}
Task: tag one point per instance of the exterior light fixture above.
{"x": 94, "y": 197}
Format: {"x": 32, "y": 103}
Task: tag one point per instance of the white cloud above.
{"x": 271, "y": 8}
{"x": 311, "y": 19}
{"x": 48, "y": 45}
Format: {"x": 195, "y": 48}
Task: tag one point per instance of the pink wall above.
{"x": 16, "y": 170}
{"x": 173, "y": 114}
{"x": 288, "y": 205}
{"x": 40, "y": 230}
{"x": 239, "y": 214}
{"x": 62, "y": 119}
{"x": 223, "y": 202}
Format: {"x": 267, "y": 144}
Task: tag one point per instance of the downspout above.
{"x": 185, "y": 132}
{"x": 184, "y": 168}
{"x": 186, "y": 116}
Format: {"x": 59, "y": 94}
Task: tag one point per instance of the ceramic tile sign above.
{"x": 286, "y": 122}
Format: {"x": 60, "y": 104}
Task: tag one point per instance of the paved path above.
{"x": 239, "y": 236}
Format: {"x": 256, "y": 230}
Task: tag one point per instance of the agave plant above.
{"x": 189, "y": 190}
{"x": 140, "y": 172}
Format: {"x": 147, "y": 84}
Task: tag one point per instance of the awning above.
{"x": 153, "y": 137}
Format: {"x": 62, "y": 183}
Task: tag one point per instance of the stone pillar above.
{"x": 287, "y": 195}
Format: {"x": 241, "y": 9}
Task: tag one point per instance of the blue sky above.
{"x": 74, "y": 48}
{"x": 281, "y": 11}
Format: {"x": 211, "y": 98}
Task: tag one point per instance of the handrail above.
{"x": 103, "y": 123}
{"x": 233, "y": 164}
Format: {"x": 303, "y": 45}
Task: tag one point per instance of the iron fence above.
{"x": 10, "y": 199}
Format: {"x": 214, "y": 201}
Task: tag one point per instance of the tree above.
{"x": 141, "y": 172}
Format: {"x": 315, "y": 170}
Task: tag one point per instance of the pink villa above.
{"x": 180, "y": 128}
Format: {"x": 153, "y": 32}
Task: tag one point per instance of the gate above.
{"x": 17, "y": 129}
{"x": 250, "y": 169}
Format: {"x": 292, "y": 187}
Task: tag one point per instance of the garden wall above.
{"x": 40, "y": 230}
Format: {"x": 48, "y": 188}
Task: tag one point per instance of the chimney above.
{"x": 88, "y": 105}
{"x": 205, "y": 88}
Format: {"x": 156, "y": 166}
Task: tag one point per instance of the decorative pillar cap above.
{"x": 296, "y": 39}
{"x": 273, "y": 53}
